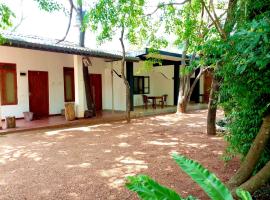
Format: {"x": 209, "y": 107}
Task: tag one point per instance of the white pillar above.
{"x": 80, "y": 99}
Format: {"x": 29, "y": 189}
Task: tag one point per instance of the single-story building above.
{"x": 39, "y": 75}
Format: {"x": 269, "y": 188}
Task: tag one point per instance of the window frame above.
{"x": 68, "y": 70}
{"x": 143, "y": 85}
{"x": 8, "y": 67}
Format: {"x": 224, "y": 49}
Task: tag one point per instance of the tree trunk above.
{"x": 124, "y": 77}
{"x": 257, "y": 181}
{"x": 212, "y": 107}
{"x": 253, "y": 155}
{"x": 86, "y": 62}
{"x": 88, "y": 93}
{"x": 80, "y": 16}
{"x": 182, "y": 98}
{"x": 194, "y": 83}
{"x": 184, "y": 83}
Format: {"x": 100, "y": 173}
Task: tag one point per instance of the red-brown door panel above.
{"x": 96, "y": 89}
{"x": 38, "y": 93}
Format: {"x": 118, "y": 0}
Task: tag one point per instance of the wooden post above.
{"x": 11, "y": 122}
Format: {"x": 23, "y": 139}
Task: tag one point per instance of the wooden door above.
{"x": 38, "y": 93}
{"x": 207, "y": 85}
{"x": 96, "y": 89}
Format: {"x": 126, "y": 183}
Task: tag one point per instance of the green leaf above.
{"x": 212, "y": 186}
{"x": 49, "y": 5}
{"x": 243, "y": 195}
{"x": 190, "y": 198}
{"x": 148, "y": 189}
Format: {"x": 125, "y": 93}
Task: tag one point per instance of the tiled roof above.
{"x": 53, "y": 45}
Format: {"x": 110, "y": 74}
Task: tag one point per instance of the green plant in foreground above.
{"x": 149, "y": 189}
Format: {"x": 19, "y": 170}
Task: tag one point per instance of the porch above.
{"x": 106, "y": 116}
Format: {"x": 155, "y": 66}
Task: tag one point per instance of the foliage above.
{"x": 244, "y": 195}
{"x": 49, "y": 5}
{"x": 6, "y": 16}
{"x": 245, "y": 89}
{"x": 108, "y": 17}
{"x": 214, "y": 188}
{"x": 148, "y": 189}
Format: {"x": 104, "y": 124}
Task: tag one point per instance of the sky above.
{"x": 54, "y": 25}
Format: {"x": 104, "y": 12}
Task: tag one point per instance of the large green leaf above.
{"x": 243, "y": 195}
{"x": 213, "y": 187}
{"x": 148, "y": 189}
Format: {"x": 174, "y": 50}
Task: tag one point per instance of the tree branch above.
{"x": 209, "y": 26}
{"x": 258, "y": 180}
{"x": 202, "y": 71}
{"x": 161, "y": 5}
{"x": 254, "y": 154}
{"x": 215, "y": 21}
{"x": 123, "y": 74}
{"x": 22, "y": 18}
{"x": 69, "y": 21}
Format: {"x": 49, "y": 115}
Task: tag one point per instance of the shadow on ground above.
{"x": 92, "y": 162}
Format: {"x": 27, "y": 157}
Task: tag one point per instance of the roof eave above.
{"x": 57, "y": 49}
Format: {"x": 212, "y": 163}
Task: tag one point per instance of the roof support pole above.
{"x": 176, "y": 83}
{"x": 80, "y": 98}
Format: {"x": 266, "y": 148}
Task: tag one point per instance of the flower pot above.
{"x": 28, "y": 116}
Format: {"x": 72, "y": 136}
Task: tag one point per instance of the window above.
{"x": 69, "y": 84}
{"x": 141, "y": 84}
{"x": 8, "y": 79}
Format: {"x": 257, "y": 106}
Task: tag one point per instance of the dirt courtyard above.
{"x": 91, "y": 162}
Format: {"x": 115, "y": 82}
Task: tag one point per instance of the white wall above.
{"x": 118, "y": 87}
{"x": 98, "y": 67}
{"x": 201, "y": 87}
{"x": 159, "y": 84}
{"x": 53, "y": 63}
{"x": 26, "y": 60}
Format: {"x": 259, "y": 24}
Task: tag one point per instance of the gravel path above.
{"x": 92, "y": 162}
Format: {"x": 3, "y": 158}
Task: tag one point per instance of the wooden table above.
{"x": 154, "y": 101}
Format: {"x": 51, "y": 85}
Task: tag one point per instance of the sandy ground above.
{"x": 92, "y": 162}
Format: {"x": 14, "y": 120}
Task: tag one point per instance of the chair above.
{"x": 145, "y": 101}
{"x": 164, "y": 100}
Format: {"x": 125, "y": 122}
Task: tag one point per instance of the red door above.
{"x": 207, "y": 85}
{"x": 38, "y": 93}
{"x": 96, "y": 89}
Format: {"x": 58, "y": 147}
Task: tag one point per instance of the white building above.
{"x": 39, "y": 76}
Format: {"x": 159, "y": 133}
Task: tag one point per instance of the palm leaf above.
{"x": 212, "y": 186}
{"x": 243, "y": 195}
{"x": 148, "y": 189}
